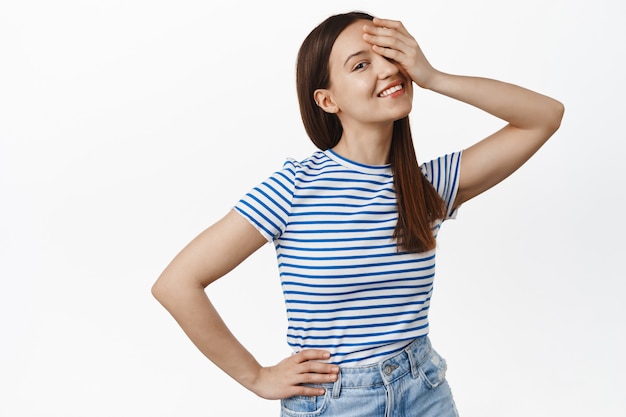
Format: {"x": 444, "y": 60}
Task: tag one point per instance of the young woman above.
{"x": 354, "y": 227}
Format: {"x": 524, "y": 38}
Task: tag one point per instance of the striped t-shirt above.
{"x": 347, "y": 288}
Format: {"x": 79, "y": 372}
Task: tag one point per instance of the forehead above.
{"x": 349, "y": 41}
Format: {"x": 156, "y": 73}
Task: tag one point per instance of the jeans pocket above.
{"x": 433, "y": 370}
{"x": 301, "y": 406}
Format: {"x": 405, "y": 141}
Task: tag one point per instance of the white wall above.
{"x": 127, "y": 127}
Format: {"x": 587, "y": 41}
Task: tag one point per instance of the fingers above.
{"x": 319, "y": 368}
{"x": 385, "y": 27}
{"x": 310, "y": 371}
{"x": 304, "y": 391}
{"x": 295, "y": 375}
{"x": 388, "y": 47}
{"x": 389, "y": 25}
{"x": 306, "y": 369}
{"x": 311, "y": 355}
{"x": 389, "y": 38}
{"x": 307, "y": 361}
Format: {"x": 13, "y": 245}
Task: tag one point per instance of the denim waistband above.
{"x": 385, "y": 371}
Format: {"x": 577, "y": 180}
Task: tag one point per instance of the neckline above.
{"x": 357, "y": 166}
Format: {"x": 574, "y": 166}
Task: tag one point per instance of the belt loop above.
{"x": 412, "y": 361}
{"x": 337, "y": 385}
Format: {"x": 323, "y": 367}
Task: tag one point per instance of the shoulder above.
{"x": 444, "y": 166}
{"x": 315, "y": 164}
{"x": 293, "y": 171}
{"x": 443, "y": 173}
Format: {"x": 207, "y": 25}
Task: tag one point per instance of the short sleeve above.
{"x": 267, "y": 206}
{"x": 443, "y": 174}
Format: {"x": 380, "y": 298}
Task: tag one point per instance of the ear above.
{"x": 324, "y": 100}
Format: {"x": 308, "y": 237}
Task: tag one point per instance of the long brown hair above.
{"x": 419, "y": 205}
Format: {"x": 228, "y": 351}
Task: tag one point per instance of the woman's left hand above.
{"x": 390, "y": 39}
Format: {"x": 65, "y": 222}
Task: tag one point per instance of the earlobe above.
{"x": 325, "y": 101}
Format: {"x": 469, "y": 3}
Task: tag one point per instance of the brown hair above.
{"x": 419, "y": 205}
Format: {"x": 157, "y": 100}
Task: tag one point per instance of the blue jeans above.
{"x": 411, "y": 383}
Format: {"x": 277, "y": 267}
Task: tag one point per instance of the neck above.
{"x": 368, "y": 145}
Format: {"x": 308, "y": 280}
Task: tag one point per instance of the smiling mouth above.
{"x": 391, "y": 90}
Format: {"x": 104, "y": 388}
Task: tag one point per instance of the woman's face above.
{"x": 364, "y": 86}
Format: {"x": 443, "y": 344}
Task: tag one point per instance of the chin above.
{"x": 403, "y": 114}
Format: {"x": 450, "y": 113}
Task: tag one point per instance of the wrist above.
{"x": 251, "y": 379}
{"x": 433, "y": 81}
{"x": 258, "y": 383}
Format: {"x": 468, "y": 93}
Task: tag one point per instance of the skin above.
{"x": 358, "y": 75}
{"x": 385, "y": 54}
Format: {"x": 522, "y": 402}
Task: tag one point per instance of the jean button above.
{"x": 389, "y": 369}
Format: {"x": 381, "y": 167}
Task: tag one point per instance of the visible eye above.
{"x": 361, "y": 65}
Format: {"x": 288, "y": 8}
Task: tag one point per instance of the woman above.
{"x": 354, "y": 227}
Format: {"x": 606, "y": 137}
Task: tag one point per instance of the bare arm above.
{"x": 532, "y": 118}
{"x": 181, "y": 290}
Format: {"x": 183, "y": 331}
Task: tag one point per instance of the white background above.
{"x": 127, "y": 127}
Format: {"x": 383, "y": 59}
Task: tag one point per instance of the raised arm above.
{"x": 181, "y": 290}
{"x": 532, "y": 118}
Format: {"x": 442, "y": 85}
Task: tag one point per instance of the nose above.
{"x": 385, "y": 67}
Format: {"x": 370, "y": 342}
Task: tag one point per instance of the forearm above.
{"x": 532, "y": 119}
{"x": 181, "y": 290}
{"x": 520, "y": 107}
{"x": 199, "y": 319}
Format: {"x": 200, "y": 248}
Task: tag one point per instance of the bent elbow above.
{"x": 156, "y": 290}
{"x": 159, "y": 290}
{"x": 556, "y": 113}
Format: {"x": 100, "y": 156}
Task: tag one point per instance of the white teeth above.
{"x": 390, "y": 90}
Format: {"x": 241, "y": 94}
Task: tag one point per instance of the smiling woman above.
{"x": 361, "y": 79}
{"x": 355, "y": 226}
{"x": 339, "y": 72}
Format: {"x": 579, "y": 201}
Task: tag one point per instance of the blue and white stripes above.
{"x": 347, "y": 288}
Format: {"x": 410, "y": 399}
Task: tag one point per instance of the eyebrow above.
{"x": 353, "y": 55}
